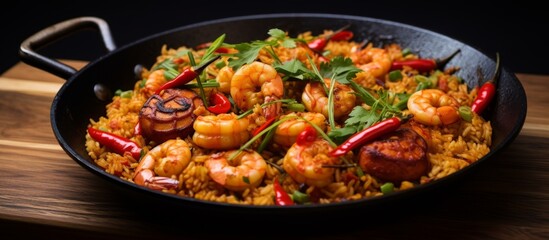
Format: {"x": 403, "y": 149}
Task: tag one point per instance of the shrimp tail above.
{"x": 272, "y": 110}
{"x": 148, "y": 179}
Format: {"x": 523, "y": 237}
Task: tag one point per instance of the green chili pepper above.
{"x": 126, "y": 94}
{"x": 300, "y": 197}
{"x": 406, "y": 52}
{"x": 466, "y": 113}
{"x": 423, "y": 82}
{"x": 387, "y": 187}
{"x": 395, "y": 76}
{"x": 220, "y": 64}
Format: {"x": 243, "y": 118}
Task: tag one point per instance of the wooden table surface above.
{"x": 45, "y": 194}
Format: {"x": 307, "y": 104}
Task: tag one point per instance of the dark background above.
{"x": 514, "y": 29}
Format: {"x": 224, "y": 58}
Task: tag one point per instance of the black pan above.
{"x": 88, "y": 90}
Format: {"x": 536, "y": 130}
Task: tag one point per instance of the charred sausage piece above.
{"x": 169, "y": 115}
{"x": 398, "y": 156}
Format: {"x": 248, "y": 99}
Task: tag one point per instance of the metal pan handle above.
{"x": 57, "y": 32}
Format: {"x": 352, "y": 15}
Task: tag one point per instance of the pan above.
{"x": 88, "y": 90}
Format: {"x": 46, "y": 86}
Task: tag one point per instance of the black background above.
{"x": 514, "y": 29}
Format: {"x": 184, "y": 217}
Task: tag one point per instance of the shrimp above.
{"x": 257, "y": 83}
{"x": 221, "y": 132}
{"x": 304, "y": 163}
{"x": 286, "y": 133}
{"x": 378, "y": 61}
{"x": 244, "y": 171}
{"x": 161, "y": 163}
{"x": 224, "y": 77}
{"x": 154, "y": 81}
{"x": 433, "y": 107}
{"x": 315, "y": 99}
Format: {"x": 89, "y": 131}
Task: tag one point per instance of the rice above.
{"x": 450, "y": 148}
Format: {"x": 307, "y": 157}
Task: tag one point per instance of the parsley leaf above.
{"x": 295, "y": 69}
{"x": 288, "y": 43}
{"x": 359, "y": 119}
{"x": 340, "y": 68}
{"x": 247, "y": 53}
{"x": 280, "y": 35}
{"x": 277, "y": 33}
{"x": 339, "y": 135}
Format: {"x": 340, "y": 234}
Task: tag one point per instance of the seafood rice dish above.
{"x": 290, "y": 120}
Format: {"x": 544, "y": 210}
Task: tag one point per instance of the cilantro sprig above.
{"x": 340, "y": 69}
{"x": 361, "y": 118}
{"x": 248, "y": 51}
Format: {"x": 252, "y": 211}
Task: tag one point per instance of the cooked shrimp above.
{"x": 286, "y": 133}
{"x": 304, "y": 163}
{"x": 315, "y": 99}
{"x": 154, "y": 81}
{"x": 433, "y": 107}
{"x": 161, "y": 163}
{"x": 257, "y": 83}
{"x": 224, "y": 77}
{"x": 221, "y": 131}
{"x": 244, "y": 171}
{"x": 375, "y": 61}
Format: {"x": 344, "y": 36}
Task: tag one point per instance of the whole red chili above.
{"x": 118, "y": 144}
{"x": 307, "y": 136}
{"x": 263, "y": 126}
{"x": 282, "y": 198}
{"x": 186, "y": 76}
{"x": 219, "y": 103}
{"x": 486, "y": 92}
{"x": 319, "y": 44}
{"x": 208, "y": 44}
{"x": 323, "y": 59}
{"x": 342, "y": 36}
{"x": 373, "y": 132}
{"x": 423, "y": 65}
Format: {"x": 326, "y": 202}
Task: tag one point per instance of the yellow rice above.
{"x": 451, "y": 148}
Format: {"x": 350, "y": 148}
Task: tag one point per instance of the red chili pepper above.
{"x": 486, "y": 92}
{"x": 208, "y": 44}
{"x": 319, "y": 44}
{"x": 219, "y": 103}
{"x": 282, "y": 198}
{"x": 323, "y": 59}
{"x": 342, "y": 36}
{"x": 307, "y": 136}
{"x": 186, "y": 76}
{"x": 263, "y": 126}
{"x": 118, "y": 144}
{"x": 423, "y": 65}
{"x": 373, "y": 132}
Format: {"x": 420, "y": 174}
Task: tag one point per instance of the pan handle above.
{"x": 56, "y": 32}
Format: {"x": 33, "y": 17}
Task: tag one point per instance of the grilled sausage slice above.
{"x": 169, "y": 115}
{"x": 398, "y": 156}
